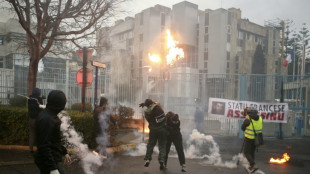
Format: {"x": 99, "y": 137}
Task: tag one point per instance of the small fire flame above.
{"x": 284, "y": 159}
{"x": 175, "y": 53}
{"x": 146, "y": 129}
{"x": 154, "y": 58}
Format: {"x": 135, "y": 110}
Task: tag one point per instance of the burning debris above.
{"x": 285, "y": 158}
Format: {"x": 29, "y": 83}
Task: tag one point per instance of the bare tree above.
{"x": 49, "y": 24}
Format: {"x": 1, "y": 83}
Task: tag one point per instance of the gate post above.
{"x": 242, "y": 96}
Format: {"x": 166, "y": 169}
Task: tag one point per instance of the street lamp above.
{"x": 145, "y": 77}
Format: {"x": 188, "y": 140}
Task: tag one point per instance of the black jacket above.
{"x": 173, "y": 126}
{"x": 33, "y": 106}
{"x": 48, "y": 133}
{"x": 155, "y": 115}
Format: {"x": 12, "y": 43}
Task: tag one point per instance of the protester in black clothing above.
{"x": 155, "y": 115}
{"x": 102, "y": 117}
{"x": 34, "y": 103}
{"x": 49, "y": 138}
{"x": 175, "y": 137}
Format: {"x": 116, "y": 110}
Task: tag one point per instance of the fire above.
{"x": 146, "y": 129}
{"x": 284, "y": 159}
{"x": 154, "y": 58}
{"x": 175, "y": 53}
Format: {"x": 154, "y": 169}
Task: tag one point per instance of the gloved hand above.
{"x": 247, "y": 117}
{"x": 141, "y": 105}
{"x": 54, "y": 171}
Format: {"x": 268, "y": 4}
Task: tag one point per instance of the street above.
{"x": 20, "y": 162}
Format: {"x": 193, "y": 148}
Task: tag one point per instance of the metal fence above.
{"x": 178, "y": 94}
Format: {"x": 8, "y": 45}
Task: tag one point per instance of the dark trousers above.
{"x": 176, "y": 139}
{"x": 45, "y": 169}
{"x": 31, "y": 133}
{"x": 160, "y": 135}
{"x": 249, "y": 150}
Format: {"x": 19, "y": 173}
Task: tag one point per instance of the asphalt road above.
{"x": 20, "y": 162}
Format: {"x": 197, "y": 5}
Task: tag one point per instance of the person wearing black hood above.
{"x": 34, "y": 103}
{"x": 102, "y": 116}
{"x": 251, "y": 120}
{"x": 175, "y": 137}
{"x": 50, "y": 151}
{"x": 155, "y": 115}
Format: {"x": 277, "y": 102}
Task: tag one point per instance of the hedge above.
{"x": 14, "y": 129}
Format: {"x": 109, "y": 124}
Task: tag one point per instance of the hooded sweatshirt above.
{"x": 34, "y": 101}
{"x": 48, "y": 134}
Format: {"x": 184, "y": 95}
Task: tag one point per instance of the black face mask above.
{"x": 56, "y": 101}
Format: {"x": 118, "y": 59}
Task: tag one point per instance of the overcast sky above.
{"x": 256, "y": 11}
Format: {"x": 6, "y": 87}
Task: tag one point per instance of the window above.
{"x": 237, "y": 58}
{"x": 206, "y": 30}
{"x": 276, "y": 62}
{"x": 206, "y": 18}
{"x": 162, "y": 19}
{"x": 1, "y": 62}
{"x": 228, "y": 38}
{"x": 141, "y": 37}
{"x": 206, "y": 47}
{"x": 206, "y": 38}
{"x": 205, "y": 56}
{"x": 227, "y": 65}
{"x": 228, "y": 55}
{"x": 141, "y": 19}
{"x": 1, "y": 40}
{"x": 140, "y": 54}
{"x": 240, "y": 35}
{"x": 206, "y": 65}
{"x": 228, "y": 29}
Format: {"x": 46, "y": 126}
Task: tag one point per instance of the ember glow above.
{"x": 284, "y": 159}
{"x": 146, "y": 129}
{"x": 154, "y": 58}
{"x": 174, "y": 52}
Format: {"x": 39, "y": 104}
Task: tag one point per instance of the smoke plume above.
{"x": 90, "y": 161}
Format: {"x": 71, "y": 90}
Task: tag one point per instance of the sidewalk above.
{"x": 17, "y": 154}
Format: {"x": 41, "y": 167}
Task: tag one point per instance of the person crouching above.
{"x": 174, "y": 136}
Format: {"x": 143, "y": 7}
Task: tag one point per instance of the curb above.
{"x": 120, "y": 148}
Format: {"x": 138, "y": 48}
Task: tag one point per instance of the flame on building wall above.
{"x": 174, "y": 53}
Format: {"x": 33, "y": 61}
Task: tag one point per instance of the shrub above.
{"x": 18, "y": 101}
{"x": 77, "y": 107}
{"x": 15, "y": 131}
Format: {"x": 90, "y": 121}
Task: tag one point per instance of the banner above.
{"x": 270, "y": 112}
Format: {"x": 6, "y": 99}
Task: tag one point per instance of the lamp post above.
{"x": 145, "y": 78}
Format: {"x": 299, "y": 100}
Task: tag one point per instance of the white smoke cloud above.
{"x": 140, "y": 149}
{"x": 103, "y": 139}
{"x": 90, "y": 161}
{"x": 196, "y": 145}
